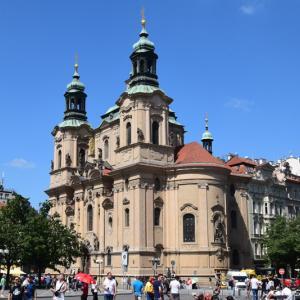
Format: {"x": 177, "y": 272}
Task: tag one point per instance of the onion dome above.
{"x": 76, "y": 84}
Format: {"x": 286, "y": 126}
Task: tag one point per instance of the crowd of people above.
{"x": 152, "y": 288}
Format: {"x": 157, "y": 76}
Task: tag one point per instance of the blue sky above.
{"x": 236, "y": 60}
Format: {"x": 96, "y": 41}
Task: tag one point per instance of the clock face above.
{"x": 124, "y": 256}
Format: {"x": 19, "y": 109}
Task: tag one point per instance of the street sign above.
{"x": 281, "y": 271}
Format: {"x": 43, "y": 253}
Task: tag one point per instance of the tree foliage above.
{"x": 282, "y": 241}
{"x": 34, "y": 238}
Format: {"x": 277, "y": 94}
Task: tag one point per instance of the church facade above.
{"x": 143, "y": 200}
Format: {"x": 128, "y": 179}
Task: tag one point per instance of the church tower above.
{"x": 207, "y": 138}
{"x": 71, "y": 140}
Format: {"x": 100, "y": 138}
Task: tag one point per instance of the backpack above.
{"x": 149, "y": 288}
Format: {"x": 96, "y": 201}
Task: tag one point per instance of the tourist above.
{"x": 16, "y": 290}
{"x": 59, "y": 288}
{"x": 264, "y": 286}
{"x": 110, "y": 287}
{"x": 95, "y": 289}
{"x": 207, "y": 296}
{"x": 2, "y": 284}
{"x": 48, "y": 281}
{"x": 30, "y": 290}
{"x": 137, "y": 288}
{"x": 254, "y": 283}
{"x": 174, "y": 288}
{"x": 157, "y": 288}
{"x": 271, "y": 293}
{"x": 148, "y": 290}
{"x": 85, "y": 291}
{"x": 287, "y": 293}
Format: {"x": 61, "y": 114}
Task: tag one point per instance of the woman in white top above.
{"x": 60, "y": 288}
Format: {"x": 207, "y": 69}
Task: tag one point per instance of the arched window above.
{"x": 189, "y": 228}
{"x": 106, "y": 149}
{"x": 110, "y": 222}
{"x": 126, "y": 217}
{"x": 157, "y": 184}
{"x": 155, "y": 135}
{"x": 233, "y": 219}
{"x": 142, "y": 66}
{"x": 134, "y": 68}
{"x": 108, "y": 258}
{"x": 81, "y": 158}
{"x": 235, "y": 257}
{"x": 90, "y": 218}
{"x": 156, "y": 216}
{"x": 128, "y": 133}
{"x": 149, "y": 65}
{"x": 126, "y": 184}
{"x": 59, "y": 159}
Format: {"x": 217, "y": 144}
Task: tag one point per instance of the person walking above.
{"x": 174, "y": 288}
{"x": 85, "y": 291}
{"x": 254, "y": 283}
{"x": 16, "y": 290}
{"x": 148, "y": 290}
{"x": 95, "y": 289}
{"x": 110, "y": 287}
{"x": 2, "y": 284}
{"x": 59, "y": 288}
{"x": 30, "y": 290}
{"x": 157, "y": 288}
{"x": 137, "y": 288}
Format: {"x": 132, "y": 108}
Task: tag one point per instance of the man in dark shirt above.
{"x": 85, "y": 291}
{"x": 16, "y": 290}
{"x": 157, "y": 287}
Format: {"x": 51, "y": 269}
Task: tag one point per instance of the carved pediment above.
{"x": 95, "y": 173}
{"x": 190, "y": 205}
{"x": 159, "y": 202}
{"x": 217, "y": 207}
{"x": 75, "y": 179}
{"x": 69, "y": 211}
{"x": 108, "y": 204}
{"x": 125, "y": 201}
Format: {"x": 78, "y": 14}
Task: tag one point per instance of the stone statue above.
{"x": 287, "y": 169}
{"x": 81, "y": 159}
{"x": 118, "y": 142}
{"x": 218, "y": 230}
{"x": 68, "y": 160}
{"x": 140, "y": 135}
{"x": 96, "y": 243}
{"x": 52, "y": 165}
{"x": 92, "y": 146}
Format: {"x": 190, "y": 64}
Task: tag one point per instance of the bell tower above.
{"x": 71, "y": 137}
{"x": 207, "y": 138}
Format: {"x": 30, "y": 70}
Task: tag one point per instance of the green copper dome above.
{"x": 207, "y": 135}
{"x": 76, "y": 84}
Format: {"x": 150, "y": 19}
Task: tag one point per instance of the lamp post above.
{"x": 99, "y": 262}
{"x": 3, "y": 253}
{"x": 155, "y": 261}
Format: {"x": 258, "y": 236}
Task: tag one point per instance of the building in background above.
{"x": 5, "y": 194}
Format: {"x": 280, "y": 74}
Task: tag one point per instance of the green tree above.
{"x": 13, "y": 219}
{"x": 282, "y": 241}
{"x": 49, "y": 243}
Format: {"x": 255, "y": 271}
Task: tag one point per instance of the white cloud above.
{"x": 240, "y": 104}
{"x": 21, "y": 163}
{"x": 248, "y": 9}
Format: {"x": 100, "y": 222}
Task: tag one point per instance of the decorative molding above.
{"x": 184, "y": 206}
{"x": 158, "y": 202}
{"x": 126, "y": 201}
{"x": 108, "y": 204}
{"x": 69, "y": 211}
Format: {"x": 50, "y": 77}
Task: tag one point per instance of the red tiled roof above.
{"x": 194, "y": 153}
{"x": 236, "y": 160}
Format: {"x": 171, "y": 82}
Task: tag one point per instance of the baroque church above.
{"x": 142, "y": 200}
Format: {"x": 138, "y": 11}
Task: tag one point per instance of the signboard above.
{"x": 281, "y": 271}
{"x": 125, "y": 258}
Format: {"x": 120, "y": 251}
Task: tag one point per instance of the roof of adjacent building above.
{"x": 236, "y": 160}
{"x": 194, "y": 153}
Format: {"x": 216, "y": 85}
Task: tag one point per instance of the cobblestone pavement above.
{"x": 127, "y": 294}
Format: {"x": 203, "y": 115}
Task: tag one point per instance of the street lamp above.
{"x": 3, "y": 253}
{"x": 155, "y": 261}
{"x": 99, "y": 262}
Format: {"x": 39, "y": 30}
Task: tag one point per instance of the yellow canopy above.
{"x": 249, "y": 272}
{"x": 14, "y": 271}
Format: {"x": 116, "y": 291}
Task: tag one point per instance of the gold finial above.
{"x": 76, "y": 62}
{"x": 143, "y": 17}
